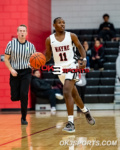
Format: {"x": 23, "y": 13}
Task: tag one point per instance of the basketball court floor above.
{"x": 44, "y": 131}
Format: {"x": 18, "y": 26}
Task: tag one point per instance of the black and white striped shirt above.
{"x": 20, "y": 53}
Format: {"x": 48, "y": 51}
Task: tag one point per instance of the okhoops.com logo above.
{"x": 58, "y": 70}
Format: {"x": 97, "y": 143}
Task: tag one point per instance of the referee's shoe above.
{"x": 24, "y": 122}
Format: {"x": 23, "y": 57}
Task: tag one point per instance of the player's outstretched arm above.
{"x": 48, "y": 51}
{"x": 80, "y": 48}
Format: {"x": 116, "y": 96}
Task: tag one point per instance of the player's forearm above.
{"x": 48, "y": 57}
{"x": 7, "y": 63}
{"x": 82, "y": 51}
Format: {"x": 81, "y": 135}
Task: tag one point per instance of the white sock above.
{"x": 70, "y": 118}
{"x": 84, "y": 109}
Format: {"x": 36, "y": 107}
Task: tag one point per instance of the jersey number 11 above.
{"x": 63, "y": 57}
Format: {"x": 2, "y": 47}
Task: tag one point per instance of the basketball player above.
{"x": 17, "y": 54}
{"x": 60, "y": 43}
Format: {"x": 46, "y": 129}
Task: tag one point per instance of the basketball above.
{"x": 37, "y": 60}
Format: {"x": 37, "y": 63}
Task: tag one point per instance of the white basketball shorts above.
{"x": 69, "y": 75}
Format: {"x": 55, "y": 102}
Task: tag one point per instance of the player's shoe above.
{"x": 89, "y": 118}
{"x": 24, "y": 122}
{"x": 70, "y": 128}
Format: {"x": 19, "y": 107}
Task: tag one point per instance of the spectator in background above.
{"x": 97, "y": 55}
{"x": 106, "y": 30}
{"x": 58, "y": 89}
{"x": 43, "y": 89}
{"x": 88, "y": 52}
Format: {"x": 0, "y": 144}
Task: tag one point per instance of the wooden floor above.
{"x": 44, "y": 131}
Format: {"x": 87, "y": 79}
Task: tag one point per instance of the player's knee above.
{"x": 66, "y": 93}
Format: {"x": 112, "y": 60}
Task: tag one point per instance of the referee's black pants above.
{"x": 20, "y": 87}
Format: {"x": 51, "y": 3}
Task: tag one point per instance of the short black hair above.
{"x": 105, "y": 15}
{"x": 54, "y": 21}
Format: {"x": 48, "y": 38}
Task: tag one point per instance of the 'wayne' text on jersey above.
{"x": 62, "y": 48}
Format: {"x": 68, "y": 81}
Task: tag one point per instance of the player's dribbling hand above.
{"x": 14, "y": 73}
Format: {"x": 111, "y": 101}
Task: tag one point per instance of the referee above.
{"x": 17, "y": 54}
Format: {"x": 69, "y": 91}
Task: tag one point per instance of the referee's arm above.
{"x": 7, "y": 57}
{"x": 7, "y": 63}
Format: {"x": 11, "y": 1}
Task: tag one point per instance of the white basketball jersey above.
{"x": 62, "y": 51}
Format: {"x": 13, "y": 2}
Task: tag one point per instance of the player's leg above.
{"x": 81, "y": 92}
{"x": 80, "y": 104}
{"x": 83, "y": 88}
{"x": 67, "y": 92}
{"x": 25, "y": 82}
{"x": 77, "y": 98}
{"x": 68, "y": 84}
